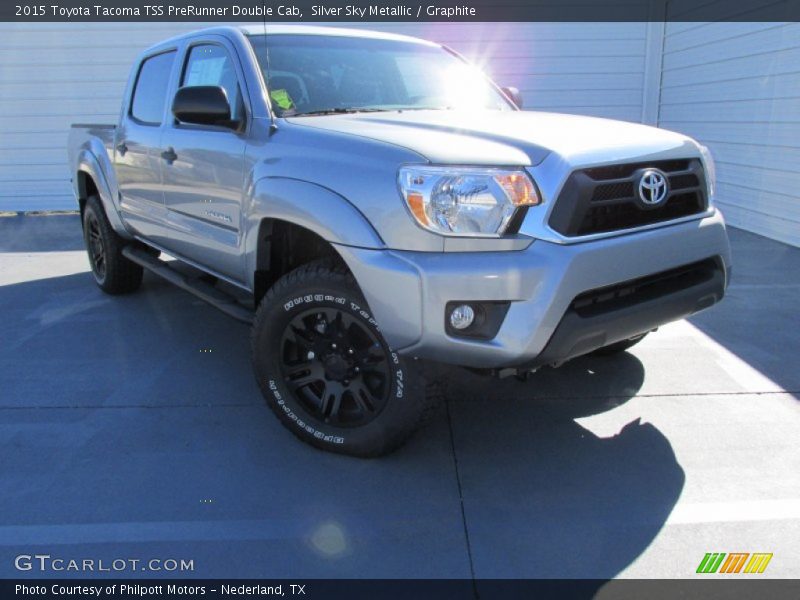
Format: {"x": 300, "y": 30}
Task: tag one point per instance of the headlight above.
{"x": 711, "y": 170}
{"x": 465, "y": 200}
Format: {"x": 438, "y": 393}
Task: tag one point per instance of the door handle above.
{"x": 122, "y": 148}
{"x": 169, "y": 155}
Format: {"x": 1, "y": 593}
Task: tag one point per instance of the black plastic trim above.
{"x": 206, "y": 292}
{"x": 516, "y": 220}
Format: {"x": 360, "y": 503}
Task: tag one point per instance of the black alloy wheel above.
{"x": 96, "y": 248}
{"x": 326, "y": 370}
{"x": 114, "y": 273}
{"x": 336, "y": 367}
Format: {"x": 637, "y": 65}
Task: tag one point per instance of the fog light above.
{"x": 462, "y": 317}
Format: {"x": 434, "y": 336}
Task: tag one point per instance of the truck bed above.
{"x": 93, "y": 126}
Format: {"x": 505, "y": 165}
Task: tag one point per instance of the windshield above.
{"x": 320, "y": 74}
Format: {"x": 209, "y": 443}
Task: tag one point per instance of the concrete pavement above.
{"x": 122, "y": 436}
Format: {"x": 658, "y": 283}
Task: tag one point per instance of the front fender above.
{"x": 307, "y": 205}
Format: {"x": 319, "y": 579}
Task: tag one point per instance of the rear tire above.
{"x": 325, "y": 369}
{"x": 112, "y": 272}
{"x": 619, "y": 347}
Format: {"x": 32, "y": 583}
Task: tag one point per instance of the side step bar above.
{"x": 206, "y": 292}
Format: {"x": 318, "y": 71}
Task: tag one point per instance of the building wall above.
{"x": 51, "y": 75}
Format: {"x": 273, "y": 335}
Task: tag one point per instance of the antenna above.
{"x": 273, "y": 127}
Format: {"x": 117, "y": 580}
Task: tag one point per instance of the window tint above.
{"x": 150, "y": 93}
{"x": 210, "y": 64}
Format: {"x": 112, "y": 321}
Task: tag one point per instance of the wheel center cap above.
{"x": 336, "y": 367}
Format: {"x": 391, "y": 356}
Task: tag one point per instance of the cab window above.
{"x": 210, "y": 64}
{"x": 150, "y": 91}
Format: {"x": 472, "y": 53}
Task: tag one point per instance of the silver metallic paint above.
{"x": 541, "y": 282}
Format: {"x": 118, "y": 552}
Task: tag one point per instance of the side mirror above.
{"x": 513, "y": 94}
{"x": 203, "y": 105}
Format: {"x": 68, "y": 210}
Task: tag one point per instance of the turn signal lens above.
{"x": 519, "y": 189}
{"x": 417, "y": 207}
{"x": 711, "y": 171}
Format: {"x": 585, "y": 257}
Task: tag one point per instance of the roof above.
{"x": 280, "y": 29}
{"x": 274, "y": 29}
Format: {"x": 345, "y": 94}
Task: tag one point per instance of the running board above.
{"x": 206, "y": 292}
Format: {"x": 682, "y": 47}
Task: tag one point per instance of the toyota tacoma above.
{"x": 373, "y": 204}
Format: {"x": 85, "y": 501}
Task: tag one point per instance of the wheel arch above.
{"x": 88, "y": 180}
{"x": 293, "y": 222}
{"x": 283, "y": 246}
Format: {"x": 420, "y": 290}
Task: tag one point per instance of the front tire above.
{"x": 112, "y": 272}
{"x": 326, "y": 370}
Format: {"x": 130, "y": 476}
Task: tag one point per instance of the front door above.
{"x": 203, "y": 168}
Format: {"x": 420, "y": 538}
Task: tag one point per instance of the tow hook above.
{"x": 521, "y": 374}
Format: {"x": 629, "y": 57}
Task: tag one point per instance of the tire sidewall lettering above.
{"x": 333, "y": 439}
{"x": 312, "y": 298}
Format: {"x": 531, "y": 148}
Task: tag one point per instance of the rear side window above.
{"x": 150, "y": 93}
{"x": 209, "y": 64}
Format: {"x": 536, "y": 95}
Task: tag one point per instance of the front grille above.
{"x": 629, "y": 293}
{"x": 604, "y": 199}
{"x": 612, "y": 191}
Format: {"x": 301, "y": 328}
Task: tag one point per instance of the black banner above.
{"x": 729, "y": 588}
{"x": 416, "y": 10}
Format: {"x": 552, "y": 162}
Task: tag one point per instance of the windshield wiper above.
{"x": 339, "y": 111}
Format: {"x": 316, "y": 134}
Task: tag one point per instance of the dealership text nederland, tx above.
{"x": 124, "y": 589}
{"x": 282, "y": 10}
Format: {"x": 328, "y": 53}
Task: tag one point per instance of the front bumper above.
{"x": 408, "y": 291}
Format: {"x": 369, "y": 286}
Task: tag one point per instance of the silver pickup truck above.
{"x": 372, "y": 203}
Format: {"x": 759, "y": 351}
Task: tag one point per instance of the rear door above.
{"x": 138, "y": 148}
{"x": 204, "y": 173}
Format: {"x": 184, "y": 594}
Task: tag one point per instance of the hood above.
{"x": 518, "y": 138}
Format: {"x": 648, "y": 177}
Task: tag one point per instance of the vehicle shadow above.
{"x": 68, "y": 344}
{"x": 544, "y": 497}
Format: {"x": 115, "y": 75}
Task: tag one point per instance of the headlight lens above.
{"x": 711, "y": 170}
{"x": 465, "y": 200}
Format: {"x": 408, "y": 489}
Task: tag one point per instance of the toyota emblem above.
{"x": 653, "y": 187}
